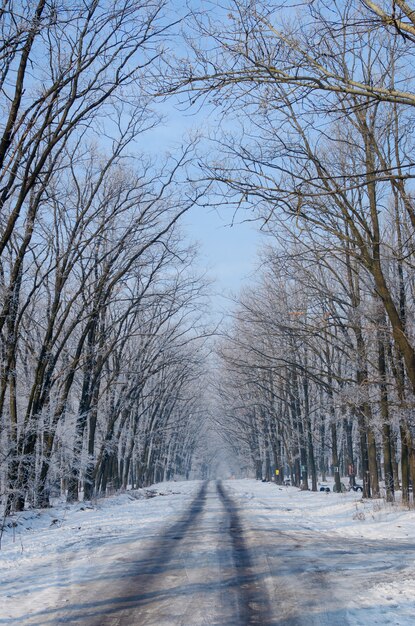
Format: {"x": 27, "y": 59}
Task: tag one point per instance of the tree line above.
{"x": 102, "y": 343}
{"x": 318, "y": 99}
{"x": 100, "y": 318}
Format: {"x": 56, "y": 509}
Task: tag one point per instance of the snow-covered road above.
{"x": 226, "y": 553}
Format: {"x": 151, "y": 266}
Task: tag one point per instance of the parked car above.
{"x": 324, "y": 487}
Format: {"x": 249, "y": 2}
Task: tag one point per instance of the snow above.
{"x": 356, "y": 557}
{"x": 50, "y": 550}
{"x": 374, "y": 540}
{"x": 346, "y": 514}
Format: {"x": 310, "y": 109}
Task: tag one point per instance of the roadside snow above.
{"x": 346, "y": 514}
{"x": 391, "y": 603}
{"x": 383, "y": 534}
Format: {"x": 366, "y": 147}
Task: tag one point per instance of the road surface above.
{"x": 221, "y": 563}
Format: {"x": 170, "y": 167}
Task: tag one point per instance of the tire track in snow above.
{"x": 254, "y": 605}
{"x": 163, "y": 550}
{"x": 122, "y": 606}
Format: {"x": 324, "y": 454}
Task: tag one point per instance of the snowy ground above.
{"x": 255, "y": 554}
{"x": 354, "y": 559}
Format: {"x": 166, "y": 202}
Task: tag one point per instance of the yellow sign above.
{"x": 277, "y": 472}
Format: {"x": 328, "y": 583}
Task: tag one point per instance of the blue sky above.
{"x": 227, "y": 252}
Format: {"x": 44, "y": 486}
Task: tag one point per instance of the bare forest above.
{"x": 112, "y": 375}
